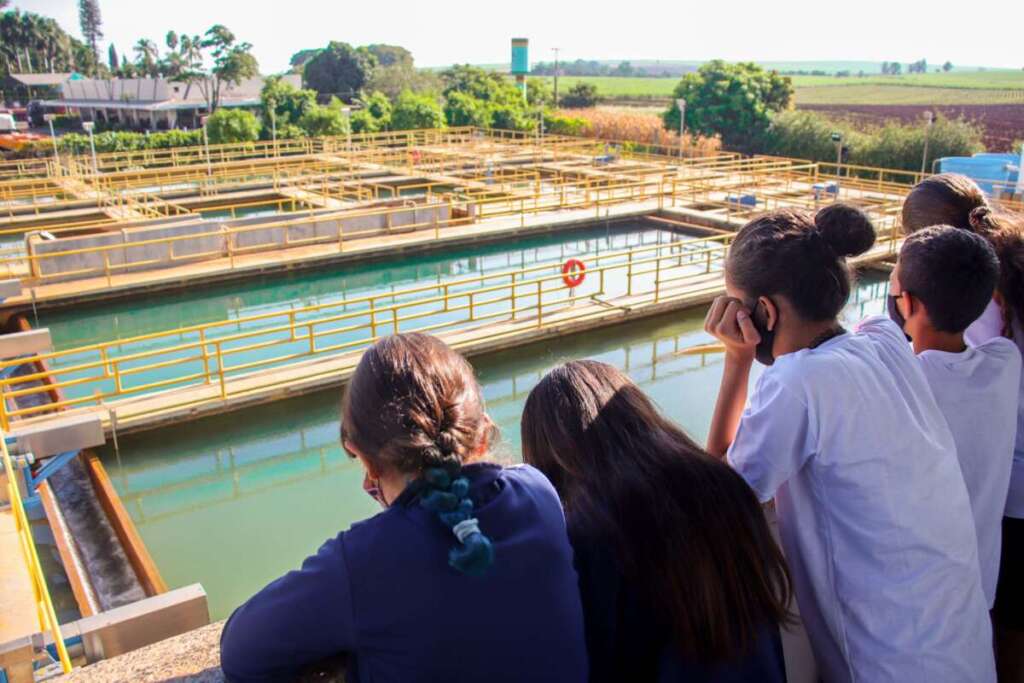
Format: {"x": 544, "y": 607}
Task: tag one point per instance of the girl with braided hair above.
{"x": 467, "y": 563}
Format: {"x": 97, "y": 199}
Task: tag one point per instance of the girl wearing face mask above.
{"x": 842, "y": 430}
{"x": 466, "y": 575}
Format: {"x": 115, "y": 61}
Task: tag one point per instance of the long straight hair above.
{"x": 686, "y": 530}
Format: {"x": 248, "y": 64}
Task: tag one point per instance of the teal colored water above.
{"x": 79, "y": 326}
{"x": 234, "y": 501}
{"x": 251, "y": 211}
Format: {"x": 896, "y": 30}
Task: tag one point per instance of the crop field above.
{"x": 960, "y": 88}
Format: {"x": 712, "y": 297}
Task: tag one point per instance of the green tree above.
{"x": 340, "y": 69}
{"x": 462, "y": 109}
{"x": 580, "y": 96}
{"x": 287, "y": 102}
{"x": 232, "y": 62}
{"x": 112, "y": 60}
{"x": 299, "y": 59}
{"x": 391, "y": 55}
{"x": 319, "y": 121}
{"x": 538, "y": 94}
{"x": 374, "y": 116}
{"x": 90, "y": 21}
{"x": 147, "y": 56}
{"x": 416, "y": 111}
{"x": 947, "y": 67}
{"x": 232, "y": 125}
{"x": 735, "y": 101}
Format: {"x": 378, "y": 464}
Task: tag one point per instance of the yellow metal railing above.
{"x": 211, "y": 354}
{"x": 41, "y": 594}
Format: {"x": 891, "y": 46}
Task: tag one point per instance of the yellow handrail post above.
{"x": 44, "y": 604}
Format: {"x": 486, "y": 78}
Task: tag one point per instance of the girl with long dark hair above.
{"x": 679, "y": 575}
{"x": 466, "y": 575}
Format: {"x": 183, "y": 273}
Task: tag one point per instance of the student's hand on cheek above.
{"x": 728, "y": 320}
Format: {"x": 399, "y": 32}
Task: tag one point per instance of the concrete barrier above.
{"x": 321, "y": 225}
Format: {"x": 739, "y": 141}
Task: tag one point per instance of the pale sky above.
{"x": 441, "y": 33}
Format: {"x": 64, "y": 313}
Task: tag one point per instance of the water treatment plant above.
{"x": 179, "y": 323}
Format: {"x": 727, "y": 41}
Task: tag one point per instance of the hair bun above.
{"x": 845, "y": 228}
{"x": 980, "y": 219}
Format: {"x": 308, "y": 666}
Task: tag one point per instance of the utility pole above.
{"x": 929, "y": 119}
{"x": 555, "y": 50}
{"x": 838, "y": 139}
{"x": 681, "y": 103}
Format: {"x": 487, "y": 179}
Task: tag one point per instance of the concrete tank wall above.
{"x": 323, "y": 225}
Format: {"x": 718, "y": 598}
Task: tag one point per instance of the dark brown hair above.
{"x": 685, "y": 528}
{"x": 801, "y": 255}
{"x": 953, "y": 272}
{"x": 943, "y": 199}
{"x": 411, "y": 397}
{"x": 413, "y": 405}
{"x": 1005, "y": 233}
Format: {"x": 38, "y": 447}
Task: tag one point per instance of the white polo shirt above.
{"x": 978, "y": 392}
{"x": 873, "y": 512}
{"x": 990, "y": 326}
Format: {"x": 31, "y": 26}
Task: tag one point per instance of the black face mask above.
{"x": 895, "y": 315}
{"x": 763, "y": 351}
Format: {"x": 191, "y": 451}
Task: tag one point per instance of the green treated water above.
{"x": 234, "y": 501}
{"x": 121, "y": 320}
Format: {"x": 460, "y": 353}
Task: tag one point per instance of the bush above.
{"x": 462, "y": 109}
{"x": 416, "y": 111}
{"x": 580, "y": 96}
{"x": 510, "y": 117}
{"x": 232, "y": 125}
{"x": 807, "y": 135}
{"x": 565, "y": 125}
{"x": 735, "y": 101}
{"x": 641, "y": 128}
{"x": 287, "y": 102}
{"x": 320, "y": 121}
{"x": 374, "y": 116}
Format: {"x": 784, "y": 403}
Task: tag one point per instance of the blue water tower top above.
{"x": 520, "y": 56}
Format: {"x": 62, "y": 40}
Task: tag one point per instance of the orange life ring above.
{"x": 573, "y": 272}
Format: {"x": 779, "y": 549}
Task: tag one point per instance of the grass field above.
{"x": 965, "y": 87}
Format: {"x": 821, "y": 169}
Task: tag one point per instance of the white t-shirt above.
{"x": 873, "y": 511}
{"x": 990, "y": 326}
{"x": 977, "y": 390}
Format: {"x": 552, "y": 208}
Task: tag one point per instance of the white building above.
{"x": 152, "y": 103}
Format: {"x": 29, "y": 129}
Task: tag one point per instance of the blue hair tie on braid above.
{"x": 450, "y": 500}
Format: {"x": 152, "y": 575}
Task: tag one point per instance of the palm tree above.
{"x": 147, "y": 55}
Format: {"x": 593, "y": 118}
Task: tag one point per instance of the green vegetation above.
{"x": 288, "y": 104}
{"x": 32, "y": 42}
{"x": 374, "y": 116}
{"x": 416, "y": 111}
{"x": 123, "y": 141}
{"x": 954, "y": 87}
{"x": 340, "y": 69}
{"x": 330, "y": 120}
{"x": 580, "y": 96}
{"x": 734, "y": 101}
{"x": 807, "y": 135}
{"x": 232, "y": 125}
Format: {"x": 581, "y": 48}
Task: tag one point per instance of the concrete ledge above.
{"x": 192, "y": 656}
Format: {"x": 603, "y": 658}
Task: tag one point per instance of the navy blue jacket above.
{"x": 627, "y": 641}
{"x": 383, "y": 593}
